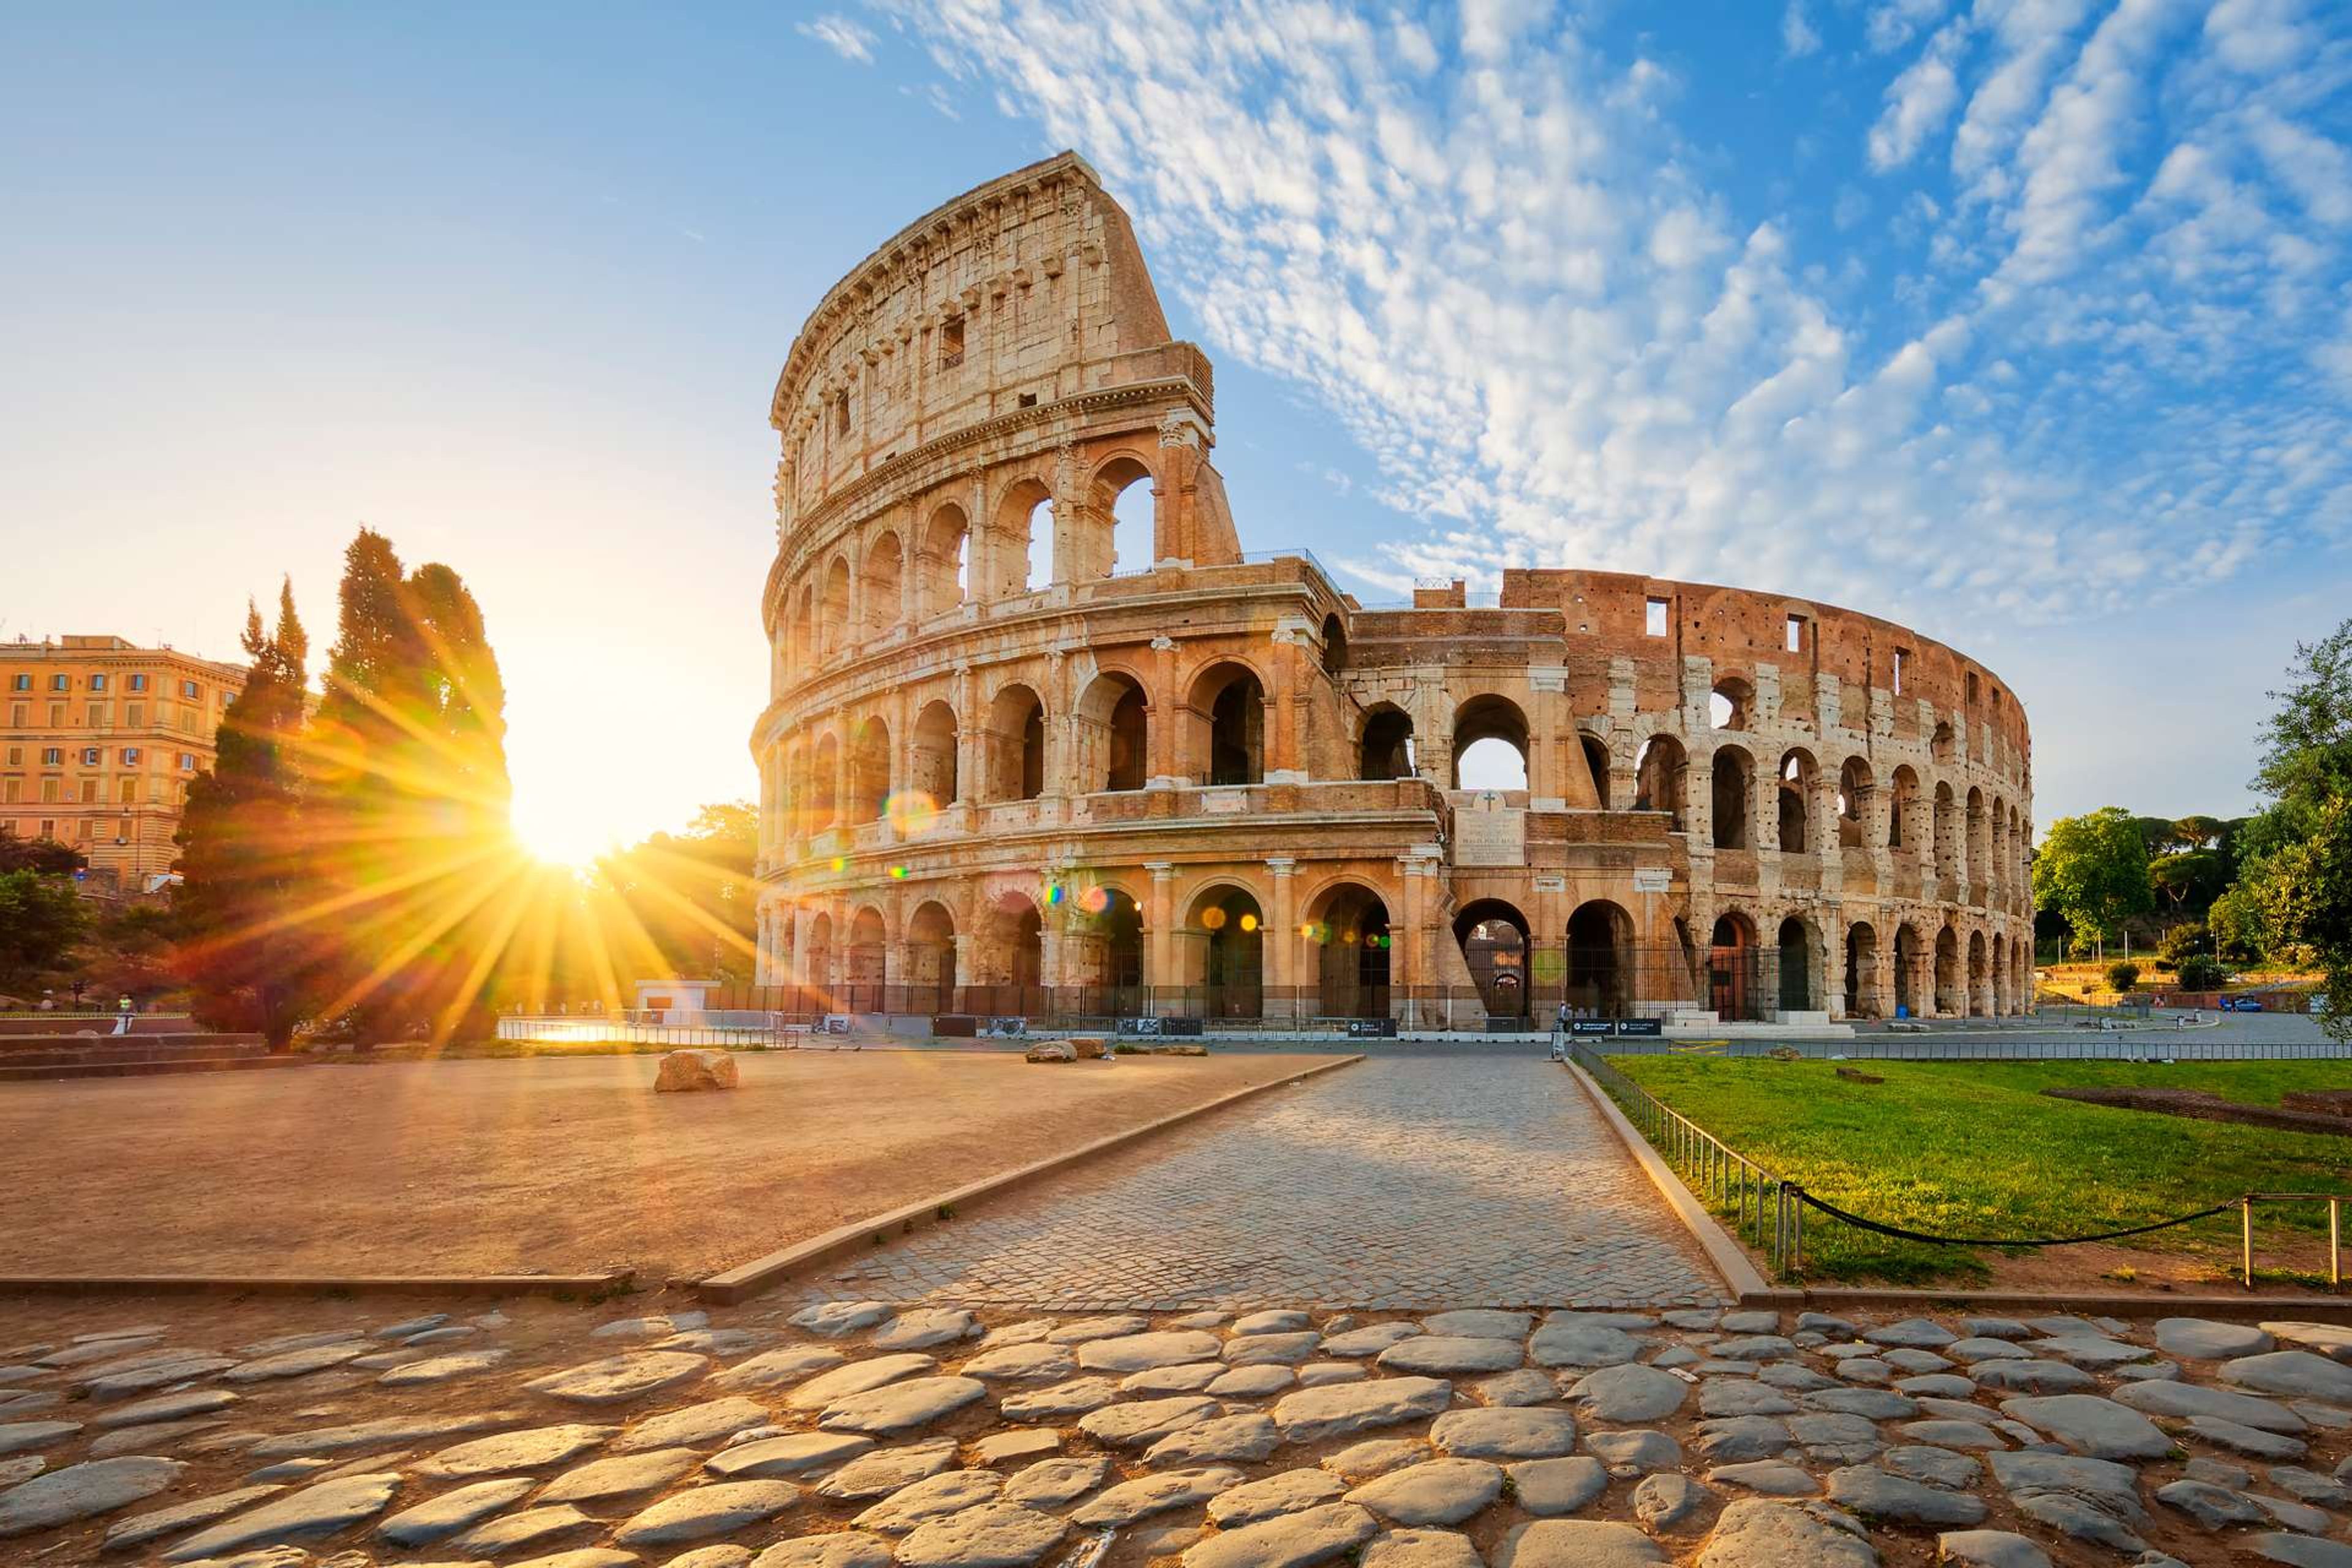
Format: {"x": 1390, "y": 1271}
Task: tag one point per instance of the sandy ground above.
{"x": 535, "y": 1166}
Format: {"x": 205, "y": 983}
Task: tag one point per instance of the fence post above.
{"x": 1797, "y": 1233}
{"x": 2335, "y": 1243}
{"x": 2246, "y": 1237}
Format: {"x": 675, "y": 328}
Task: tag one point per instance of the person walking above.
{"x": 122, "y": 1010}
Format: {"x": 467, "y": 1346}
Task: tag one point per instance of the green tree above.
{"x": 2305, "y": 893}
{"x": 691, "y": 892}
{"x": 2295, "y": 867}
{"x": 247, "y": 910}
{"x": 41, "y": 919}
{"x": 2093, "y": 869}
{"x": 2241, "y": 931}
{"x": 47, "y": 856}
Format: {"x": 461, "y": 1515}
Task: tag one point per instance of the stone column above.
{"x": 1409, "y": 970}
{"x": 1547, "y": 787}
{"x": 1833, "y": 967}
{"x": 967, "y": 741}
{"x": 1166, "y": 718}
{"x": 1281, "y": 946}
{"x": 1159, "y": 926}
{"x": 1281, "y": 748}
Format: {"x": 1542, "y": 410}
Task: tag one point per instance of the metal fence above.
{"x": 2153, "y": 1044}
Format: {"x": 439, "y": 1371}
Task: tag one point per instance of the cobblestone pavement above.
{"x": 279, "y": 1433}
{"x": 1410, "y": 1181}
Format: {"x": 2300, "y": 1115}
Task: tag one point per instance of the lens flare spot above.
{"x": 1212, "y": 919}
{"x": 1094, "y": 901}
{"x": 840, "y": 863}
{"x": 1249, "y": 921}
{"x": 912, "y": 811}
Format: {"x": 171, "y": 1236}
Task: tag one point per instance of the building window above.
{"x": 188, "y": 690}
{"x": 58, "y": 683}
{"x": 51, "y": 756}
{"x": 187, "y": 762}
{"x": 1796, "y": 633}
{"x": 1656, "y": 624}
{"x": 951, "y": 344}
{"x": 16, "y": 756}
{"x": 10, "y": 789}
{"x": 16, "y": 711}
{"x": 48, "y": 796}
{"x": 56, "y": 715}
{"x": 95, "y": 716}
{"x": 98, "y": 683}
{"x": 90, "y": 756}
{"x": 1902, "y": 662}
{"x": 129, "y": 756}
{"x": 22, "y": 683}
{"x": 1973, "y": 687}
{"x": 89, "y": 791}
{"x": 138, "y": 683}
{"x": 841, "y": 415}
{"x": 129, "y": 794}
{"x": 135, "y": 714}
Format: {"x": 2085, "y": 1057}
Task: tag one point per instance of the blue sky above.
{"x": 2029, "y": 324}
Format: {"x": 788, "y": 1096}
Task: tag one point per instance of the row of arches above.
{"x": 909, "y": 574}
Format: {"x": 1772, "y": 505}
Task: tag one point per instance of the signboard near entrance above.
{"x": 1591, "y": 1027}
{"x": 1643, "y": 1028}
{"x": 1371, "y": 1028}
{"x": 1653, "y": 880}
{"x": 1489, "y": 833}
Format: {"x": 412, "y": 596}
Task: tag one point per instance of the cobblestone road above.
{"x": 1453, "y": 1178}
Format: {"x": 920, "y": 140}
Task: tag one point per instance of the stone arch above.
{"x": 1980, "y": 843}
{"x": 1910, "y": 969}
{"x": 1225, "y": 725}
{"x": 1020, "y": 542}
{"x": 1104, "y": 951}
{"x": 1490, "y": 726}
{"x": 1661, "y": 778}
{"x": 1014, "y": 758}
{"x": 1334, "y": 651}
{"x": 1855, "y": 787}
{"x": 943, "y": 563}
{"x": 833, "y": 610}
{"x": 1951, "y": 980}
{"x": 930, "y": 983}
{"x": 1904, "y": 831}
{"x": 1980, "y": 999}
{"x": 1861, "y": 997}
{"x": 864, "y": 963}
{"x": 1495, "y": 940}
{"x": 2020, "y": 974}
{"x": 1224, "y": 933}
{"x": 885, "y": 564}
{"x": 1947, "y": 830}
{"x": 1597, "y": 763}
{"x": 1599, "y": 971}
{"x": 932, "y": 763}
{"x": 869, "y": 771}
{"x": 1123, "y": 501}
{"x": 1113, "y": 733}
{"x": 1798, "y": 947}
{"x": 1734, "y": 968}
{"x": 1386, "y": 750}
{"x": 817, "y": 957}
{"x": 1799, "y": 776}
{"x": 1347, "y": 929}
{"x": 1731, "y": 777}
{"x": 824, "y": 783}
{"x": 1009, "y": 954}
{"x": 2000, "y": 958}
{"x": 1940, "y": 745}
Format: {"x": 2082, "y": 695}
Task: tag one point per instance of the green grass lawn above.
{"x": 1973, "y": 1149}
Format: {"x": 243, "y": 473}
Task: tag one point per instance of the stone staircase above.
{"x": 29, "y": 1058}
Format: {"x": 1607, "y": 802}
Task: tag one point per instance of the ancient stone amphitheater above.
{"x": 1042, "y": 740}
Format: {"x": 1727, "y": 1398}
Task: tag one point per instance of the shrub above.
{"x": 2121, "y": 976}
{"x": 2201, "y": 972}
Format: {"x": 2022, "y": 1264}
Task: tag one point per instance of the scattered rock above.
{"x": 687, "y": 1071}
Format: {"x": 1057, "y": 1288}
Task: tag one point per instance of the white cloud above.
{"x": 842, "y": 35}
{"x": 1920, "y": 101}
{"x": 1890, "y": 24}
{"x": 1797, "y": 36}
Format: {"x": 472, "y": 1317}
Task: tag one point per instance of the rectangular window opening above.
{"x": 1656, "y": 624}
{"x": 951, "y": 344}
{"x": 1902, "y": 660}
{"x": 1796, "y": 633}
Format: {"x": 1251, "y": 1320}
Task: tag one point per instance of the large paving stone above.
{"x": 1420, "y": 1549}
{"x": 694, "y": 1426}
{"x": 387, "y": 1432}
{"x": 1291, "y": 1491}
{"x": 178, "y": 1405}
{"x": 1743, "y": 1437}
{"x": 1144, "y": 1421}
{"x": 1368, "y": 1340}
{"x": 2298, "y": 1375}
{"x": 859, "y": 1377}
{"x": 2297, "y": 1551}
{"x": 1136, "y": 1353}
{"x": 700, "y": 1513}
{"x": 1321, "y": 1535}
{"x": 1772, "y": 1478}
{"x": 1442, "y": 1353}
{"x": 1505, "y": 1433}
{"x": 902, "y": 1406}
{"x": 622, "y": 1475}
{"x": 1935, "y": 1467}
{"x": 1721, "y": 1397}
{"x": 1271, "y": 1349}
{"x": 2210, "y": 1506}
{"x": 1022, "y": 1363}
{"x": 1550, "y": 1488}
{"x": 1989, "y": 1549}
{"x": 18, "y": 1436}
{"x": 531, "y": 1530}
{"x": 1635, "y": 1450}
{"x": 833, "y": 1318}
{"x": 313, "y": 1511}
{"x": 1875, "y": 1494}
{"x": 528, "y": 1450}
{"x": 618, "y": 1379}
{"x": 781, "y": 1368}
{"x": 146, "y": 1526}
{"x": 2037, "y": 1375}
{"x": 950, "y": 1491}
{"x": 1480, "y": 1324}
{"x": 443, "y": 1369}
{"x": 2089, "y": 1425}
{"x": 83, "y": 1491}
{"x": 1575, "y": 1544}
{"x": 1336, "y": 1410}
{"x": 452, "y": 1511}
{"x": 2206, "y": 1339}
{"x": 792, "y": 1453}
{"x": 1116, "y": 1325}
{"x": 1911, "y": 1333}
{"x": 2243, "y": 1439}
{"x": 1125, "y": 1503}
{"x": 919, "y": 1327}
{"x": 2185, "y": 1399}
{"x": 1075, "y": 1397}
{"x": 844, "y": 1549}
{"x": 1247, "y": 1437}
{"x": 885, "y": 1470}
{"x": 1438, "y": 1491}
{"x": 1051, "y": 1484}
{"x": 1755, "y": 1533}
{"x": 1630, "y": 1394}
{"x": 2331, "y": 1339}
{"x": 1581, "y": 1344}
{"x": 297, "y": 1361}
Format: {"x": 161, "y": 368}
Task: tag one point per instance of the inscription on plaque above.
{"x": 1489, "y": 833}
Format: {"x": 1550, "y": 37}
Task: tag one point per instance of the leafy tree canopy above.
{"x": 2093, "y": 869}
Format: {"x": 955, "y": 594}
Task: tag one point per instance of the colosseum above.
{"x": 1044, "y": 741}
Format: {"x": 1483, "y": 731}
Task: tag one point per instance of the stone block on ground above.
{"x": 687, "y": 1071}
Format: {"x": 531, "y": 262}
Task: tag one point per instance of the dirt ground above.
{"x": 544, "y": 1167}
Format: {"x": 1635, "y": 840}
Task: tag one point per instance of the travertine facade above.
{"x": 1007, "y": 771}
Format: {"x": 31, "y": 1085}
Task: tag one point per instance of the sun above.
{"x": 554, "y": 840}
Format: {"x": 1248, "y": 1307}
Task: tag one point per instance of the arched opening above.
{"x": 944, "y": 562}
{"x": 1106, "y": 944}
{"x": 863, "y": 974}
{"x": 1021, "y": 549}
{"x": 1490, "y": 745}
{"x": 1493, "y": 940}
{"x": 1854, "y": 803}
{"x": 1599, "y": 974}
{"x": 819, "y": 958}
{"x": 1903, "y": 832}
{"x": 1980, "y": 989}
{"x": 808, "y": 641}
{"x": 1039, "y": 552}
{"x": 1732, "y": 785}
{"x": 1732, "y": 965}
{"x": 1228, "y": 720}
{"x": 1387, "y": 751}
{"x": 1016, "y": 745}
{"x": 833, "y": 614}
{"x": 1796, "y": 948}
{"x": 2000, "y": 989}
{"x": 1730, "y": 704}
{"x": 1111, "y": 738}
{"x": 1596, "y": 763}
{"x": 930, "y": 983}
{"x": 1951, "y": 1000}
{"x": 1946, "y": 832}
{"x": 884, "y": 563}
{"x": 1232, "y": 934}
{"x": 1011, "y": 957}
{"x": 1978, "y": 844}
{"x": 1861, "y": 971}
{"x": 2020, "y": 976}
{"x": 1909, "y": 954}
{"x": 1348, "y": 931}
{"x": 1335, "y": 646}
{"x": 1125, "y": 493}
{"x": 1796, "y": 795}
{"x": 932, "y": 781}
{"x": 824, "y": 785}
{"x": 1660, "y": 775}
{"x": 869, "y": 772}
